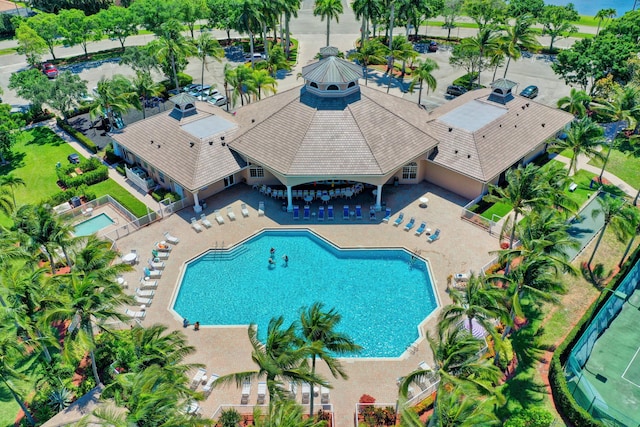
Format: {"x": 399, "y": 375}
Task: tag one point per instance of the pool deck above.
{"x": 223, "y": 350}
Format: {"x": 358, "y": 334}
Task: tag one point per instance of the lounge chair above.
{"x": 372, "y": 214}
{"x": 156, "y": 265}
{"x": 260, "y": 208}
{"x": 345, "y": 212}
{"x": 306, "y": 392}
{"x": 307, "y": 212}
{"x": 197, "y": 378}
{"x": 296, "y": 212}
{"x": 159, "y": 255}
{"x": 420, "y": 230}
{"x": 324, "y": 395}
{"x": 162, "y": 247}
{"x": 171, "y": 239}
{"x": 143, "y": 301}
{"x": 195, "y": 225}
{"x": 145, "y": 293}
{"x": 152, "y": 274}
{"x": 358, "y": 212}
{"x": 293, "y": 390}
{"x": 230, "y": 214}
{"x": 135, "y": 314}
{"x": 435, "y": 236}
{"x": 244, "y": 210}
{"x": 410, "y": 224}
{"x": 399, "y": 220}
{"x": 262, "y": 392}
{"x": 209, "y": 385}
{"x": 321, "y": 213}
{"x": 330, "y": 215}
{"x": 219, "y": 218}
{"x": 387, "y": 215}
{"x": 205, "y": 221}
{"x": 246, "y": 391}
{"x": 148, "y": 283}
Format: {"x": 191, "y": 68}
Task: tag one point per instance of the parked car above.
{"x": 49, "y": 70}
{"x": 530, "y": 92}
{"x": 189, "y": 88}
{"x": 73, "y": 158}
{"x": 433, "y": 46}
{"x": 15, "y": 109}
{"x": 200, "y": 91}
{"x": 455, "y": 90}
{"x": 256, "y": 56}
{"x": 218, "y": 100}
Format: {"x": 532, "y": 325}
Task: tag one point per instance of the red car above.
{"x": 50, "y": 70}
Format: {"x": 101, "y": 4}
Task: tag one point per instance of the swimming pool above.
{"x": 381, "y": 294}
{"x": 92, "y": 225}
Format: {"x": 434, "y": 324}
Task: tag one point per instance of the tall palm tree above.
{"x": 155, "y": 345}
{"x": 483, "y": 44}
{"x": 624, "y": 105}
{"x": 318, "y": 330}
{"x": 12, "y": 181}
{"x": 423, "y": 74}
{"x": 279, "y": 358}
{"x": 458, "y": 408}
{"x": 401, "y": 48}
{"x": 12, "y": 354}
{"x": 145, "y": 88}
{"x": 115, "y": 96}
{"x": 523, "y": 190}
{"x": 617, "y": 214}
{"x": 248, "y": 20}
{"x": 583, "y": 137}
{"x": 290, "y": 9}
{"x": 521, "y": 34}
{"x": 365, "y": 10}
{"x": 328, "y": 9}
{"x": 171, "y": 47}
{"x": 260, "y": 79}
{"x": 575, "y": 103}
{"x": 276, "y": 60}
{"x": 602, "y": 15}
{"x": 371, "y": 52}
{"x": 240, "y": 79}
{"x": 207, "y": 47}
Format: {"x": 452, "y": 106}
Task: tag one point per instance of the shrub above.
{"x": 93, "y": 172}
{"x": 64, "y": 196}
{"x": 365, "y": 398}
{"x": 425, "y": 404}
{"x": 120, "y": 170}
{"x": 229, "y": 418}
{"x": 183, "y": 78}
{"x": 110, "y": 156}
{"x": 532, "y": 417}
{"x": 82, "y": 139}
{"x": 466, "y": 80}
{"x": 77, "y": 111}
{"x": 506, "y": 354}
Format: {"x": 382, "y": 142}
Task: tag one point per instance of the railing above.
{"x": 247, "y": 411}
{"x": 145, "y": 184}
{"x": 476, "y": 219}
{"x": 167, "y": 207}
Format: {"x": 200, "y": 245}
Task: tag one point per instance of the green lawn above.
{"x": 624, "y": 167}
{"x": 498, "y": 209}
{"x": 124, "y": 197}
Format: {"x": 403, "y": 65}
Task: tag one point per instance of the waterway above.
{"x": 591, "y": 7}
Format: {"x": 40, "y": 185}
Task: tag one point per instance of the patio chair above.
{"x": 246, "y": 391}
{"x": 372, "y": 214}
{"x": 387, "y": 215}
{"x": 171, "y": 239}
{"x": 410, "y": 224}
{"x": 420, "y": 230}
{"x": 244, "y": 210}
{"x": 307, "y": 212}
{"x": 330, "y": 215}
{"x": 197, "y": 378}
{"x": 205, "y": 221}
{"x": 143, "y": 301}
{"x": 159, "y": 255}
{"x": 260, "y": 208}
{"x": 195, "y": 225}
{"x": 148, "y": 283}
{"x": 345, "y": 212}
{"x": 159, "y": 265}
{"x": 206, "y": 389}
{"x": 435, "y": 236}
{"x": 324, "y": 395}
{"x": 230, "y": 213}
{"x": 358, "y": 212}
{"x": 306, "y": 393}
{"x": 219, "y": 218}
{"x": 152, "y": 274}
{"x": 135, "y": 314}
{"x": 296, "y": 212}
{"x": 262, "y": 392}
{"x": 321, "y": 213}
{"x": 162, "y": 247}
{"x": 399, "y": 220}
{"x": 145, "y": 293}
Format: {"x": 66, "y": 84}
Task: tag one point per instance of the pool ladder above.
{"x": 220, "y": 254}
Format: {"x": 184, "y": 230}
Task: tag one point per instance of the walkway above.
{"x": 583, "y": 163}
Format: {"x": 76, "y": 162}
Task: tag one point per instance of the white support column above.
{"x": 379, "y": 198}
{"x": 196, "y": 207}
{"x": 289, "y": 199}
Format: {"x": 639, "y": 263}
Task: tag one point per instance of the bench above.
{"x": 573, "y": 187}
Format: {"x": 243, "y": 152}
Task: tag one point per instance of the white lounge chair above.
{"x": 293, "y": 390}
{"x": 159, "y": 254}
{"x": 143, "y": 301}
{"x": 205, "y": 221}
{"x": 230, "y": 214}
{"x": 156, "y": 265}
{"x": 244, "y": 210}
{"x": 197, "y": 378}
{"x": 135, "y": 314}
{"x": 262, "y": 392}
{"x": 195, "y": 225}
{"x": 145, "y": 293}
{"x": 171, "y": 239}
{"x": 148, "y": 283}
{"x": 260, "y": 208}
{"x": 209, "y": 385}
{"x": 306, "y": 392}
{"x": 152, "y": 274}
{"x": 219, "y": 218}
{"x": 246, "y": 391}
{"x": 324, "y": 395}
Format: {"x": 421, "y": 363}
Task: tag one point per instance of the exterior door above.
{"x": 229, "y": 181}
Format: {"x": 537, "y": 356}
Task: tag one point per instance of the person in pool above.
{"x": 272, "y": 251}
{"x": 271, "y": 261}
{"x": 285, "y": 258}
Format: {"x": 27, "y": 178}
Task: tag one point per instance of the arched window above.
{"x": 188, "y": 107}
{"x": 410, "y": 171}
{"x": 314, "y": 84}
{"x": 351, "y": 84}
{"x": 333, "y": 87}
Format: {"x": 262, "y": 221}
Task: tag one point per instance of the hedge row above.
{"x": 86, "y": 142}
{"x": 65, "y": 196}
{"x": 93, "y": 171}
{"x": 564, "y": 401}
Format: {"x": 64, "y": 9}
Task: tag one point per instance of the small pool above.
{"x": 382, "y": 294}
{"x": 93, "y": 225}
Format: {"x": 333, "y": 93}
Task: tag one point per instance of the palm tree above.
{"x": 401, "y": 48}
{"x": 207, "y": 47}
{"x": 458, "y": 408}
{"x": 145, "y": 88}
{"x": 521, "y": 34}
{"x": 371, "y": 52}
{"x": 248, "y": 20}
{"x": 12, "y": 181}
{"x": 616, "y": 214}
{"x": 319, "y": 334}
{"x": 96, "y": 256}
{"x": 602, "y": 15}
{"x": 623, "y": 106}
{"x": 290, "y": 9}
{"x": 423, "y": 74}
{"x": 523, "y": 190}
{"x": 483, "y": 44}
{"x": 280, "y": 358}
{"x": 365, "y": 9}
{"x": 575, "y": 103}
{"x": 154, "y": 345}
{"x": 328, "y": 9}
{"x": 276, "y": 60}
{"x": 582, "y": 137}
{"x": 171, "y": 46}
{"x": 7, "y": 206}
{"x": 240, "y": 79}
{"x": 115, "y": 96}
{"x": 260, "y": 79}
{"x": 12, "y": 354}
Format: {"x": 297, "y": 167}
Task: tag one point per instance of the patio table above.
{"x": 129, "y": 258}
{"x": 308, "y": 199}
{"x": 325, "y": 198}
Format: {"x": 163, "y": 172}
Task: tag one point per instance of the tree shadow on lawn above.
{"x": 44, "y": 136}
{"x": 14, "y": 161}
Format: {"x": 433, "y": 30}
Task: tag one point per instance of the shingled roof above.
{"x": 480, "y": 138}
{"x": 297, "y": 133}
{"x": 332, "y": 70}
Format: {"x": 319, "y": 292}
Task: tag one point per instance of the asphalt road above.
{"x": 311, "y": 32}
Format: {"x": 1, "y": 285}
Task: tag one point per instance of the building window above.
{"x": 410, "y": 171}
{"x": 161, "y": 176}
{"x": 333, "y": 87}
{"x": 256, "y": 172}
{"x": 351, "y": 84}
{"x": 314, "y": 84}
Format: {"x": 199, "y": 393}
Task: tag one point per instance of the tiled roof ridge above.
{"x": 363, "y": 134}
{"x": 303, "y": 137}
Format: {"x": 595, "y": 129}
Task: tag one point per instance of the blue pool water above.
{"x": 591, "y": 7}
{"x": 381, "y": 295}
{"x": 92, "y": 225}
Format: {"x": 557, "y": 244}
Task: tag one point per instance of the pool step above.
{"x": 226, "y": 255}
